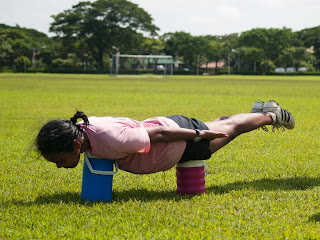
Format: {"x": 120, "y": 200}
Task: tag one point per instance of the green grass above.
{"x": 261, "y": 186}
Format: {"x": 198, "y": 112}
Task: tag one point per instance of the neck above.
{"x": 85, "y": 146}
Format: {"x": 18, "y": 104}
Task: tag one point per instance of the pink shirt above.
{"x": 127, "y": 141}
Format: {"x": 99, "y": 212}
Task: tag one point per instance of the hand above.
{"x": 211, "y": 135}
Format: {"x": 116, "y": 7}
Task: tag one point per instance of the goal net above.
{"x": 141, "y": 64}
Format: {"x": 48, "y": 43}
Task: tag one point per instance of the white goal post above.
{"x": 157, "y": 63}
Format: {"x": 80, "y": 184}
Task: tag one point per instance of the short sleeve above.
{"x": 132, "y": 140}
{"x": 115, "y": 138}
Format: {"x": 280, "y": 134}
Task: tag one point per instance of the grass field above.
{"x": 262, "y": 185}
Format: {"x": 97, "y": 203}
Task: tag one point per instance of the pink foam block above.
{"x": 190, "y": 180}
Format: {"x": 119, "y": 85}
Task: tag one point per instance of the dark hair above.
{"x": 57, "y": 136}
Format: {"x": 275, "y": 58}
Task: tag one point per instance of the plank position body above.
{"x": 152, "y": 145}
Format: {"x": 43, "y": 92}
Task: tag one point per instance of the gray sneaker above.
{"x": 283, "y": 117}
{"x": 257, "y": 107}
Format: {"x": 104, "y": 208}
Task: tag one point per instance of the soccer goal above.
{"x": 141, "y": 64}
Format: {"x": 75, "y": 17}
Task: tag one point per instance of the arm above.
{"x": 168, "y": 134}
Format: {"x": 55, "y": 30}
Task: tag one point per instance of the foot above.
{"x": 257, "y": 107}
{"x": 283, "y": 118}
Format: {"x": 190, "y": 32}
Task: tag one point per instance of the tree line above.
{"x": 89, "y": 33}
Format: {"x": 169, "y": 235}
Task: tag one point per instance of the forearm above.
{"x": 168, "y": 134}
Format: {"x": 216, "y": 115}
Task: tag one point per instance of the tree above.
{"x": 22, "y": 63}
{"x": 100, "y": 25}
{"x": 272, "y": 41}
{"x": 5, "y": 51}
{"x": 16, "y": 42}
{"x": 151, "y": 46}
{"x": 214, "y": 52}
{"x": 231, "y": 38}
{"x": 179, "y": 44}
{"x": 252, "y": 57}
{"x": 295, "y": 57}
{"x": 190, "y": 48}
{"x": 311, "y": 39}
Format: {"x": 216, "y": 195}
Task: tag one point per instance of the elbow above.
{"x": 163, "y": 130}
{"x": 159, "y": 135}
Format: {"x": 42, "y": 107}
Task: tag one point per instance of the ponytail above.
{"x": 57, "y": 136}
{"x": 81, "y": 115}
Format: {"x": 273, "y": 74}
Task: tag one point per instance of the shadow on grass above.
{"x": 266, "y": 184}
{"x": 145, "y": 195}
{"x": 57, "y": 198}
{"x": 315, "y": 218}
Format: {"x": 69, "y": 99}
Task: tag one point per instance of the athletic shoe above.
{"x": 283, "y": 117}
{"x": 257, "y": 107}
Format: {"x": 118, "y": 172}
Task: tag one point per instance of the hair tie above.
{"x": 73, "y": 120}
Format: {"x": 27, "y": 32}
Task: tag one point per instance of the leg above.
{"x": 236, "y": 125}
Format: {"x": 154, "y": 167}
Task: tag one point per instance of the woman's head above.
{"x": 61, "y": 136}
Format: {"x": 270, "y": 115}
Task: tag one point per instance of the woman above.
{"x": 155, "y": 144}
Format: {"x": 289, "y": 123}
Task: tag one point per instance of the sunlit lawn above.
{"x": 262, "y": 185}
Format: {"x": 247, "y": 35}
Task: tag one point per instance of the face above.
{"x": 65, "y": 160}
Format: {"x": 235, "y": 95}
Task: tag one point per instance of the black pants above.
{"x": 194, "y": 150}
